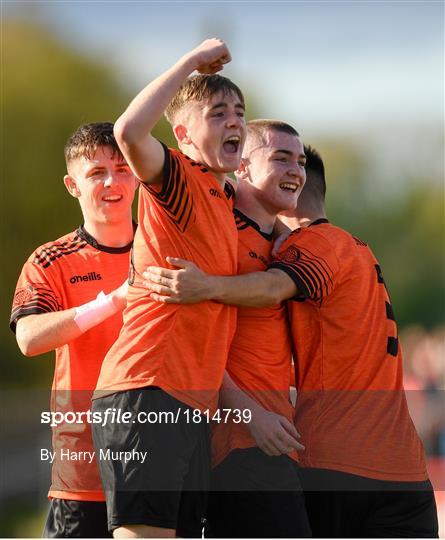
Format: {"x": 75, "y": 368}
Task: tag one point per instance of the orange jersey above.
{"x": 259, "y": 359}
{"x": 58, "y": 276}
{"x": 179, "y": 348}
{"x": 351, "y": 408}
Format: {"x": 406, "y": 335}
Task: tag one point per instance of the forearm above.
{"x": 43, "y": 332}
{"x": 232, "y": 397}
{"x": 38, "y": 334}
{"x": 257, "y": 289}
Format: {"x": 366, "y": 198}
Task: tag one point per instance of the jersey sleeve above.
{"x": 310, "y": 261}
{"x": 174, "y": 194}
{"x": 35, "y": 293}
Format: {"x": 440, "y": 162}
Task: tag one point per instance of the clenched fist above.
{"x": 210, "y": 56}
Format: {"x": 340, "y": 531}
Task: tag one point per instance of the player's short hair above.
{"x": 260, "y": 126}
{"x": 197, "y": 88}
{"x": 315, "y": 175}
{"x": 257, "y": 129}
{"x": 85, "y": 141}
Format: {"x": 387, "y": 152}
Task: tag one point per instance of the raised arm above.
{"x": 42, "y": 332}
{"x": 133, "y": 128}
{"x": 190, "y": 285}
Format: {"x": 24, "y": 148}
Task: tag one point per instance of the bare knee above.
{"x": 143, "y": 531}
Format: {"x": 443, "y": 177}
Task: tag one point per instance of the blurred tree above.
{"x": 47, "y": 92}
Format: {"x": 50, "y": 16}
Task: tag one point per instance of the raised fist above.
{"x": 210, "y": 56}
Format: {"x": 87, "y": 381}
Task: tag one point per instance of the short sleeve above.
{"x": 311, "y": 262}
{"x": 35, "y": 293}
{"x": 174, "y": 195}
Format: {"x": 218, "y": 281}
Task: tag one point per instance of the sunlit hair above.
{"x": 257, "y": 129}
{"x": 198, "y": 88}
{"x": 315, "y": 186}
{"x": 85, "y": 141}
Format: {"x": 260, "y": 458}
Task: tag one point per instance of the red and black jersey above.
{"x": 57, "y": 276}
{"x": 351, "y": 407}
{"x": 179, "y": 348}
{"x": 259, "y": 360}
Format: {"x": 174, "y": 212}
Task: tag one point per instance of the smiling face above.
{"x": 104, "y": 185}
{"x": 273, "y": 171}
{"x": 213, "y": 132}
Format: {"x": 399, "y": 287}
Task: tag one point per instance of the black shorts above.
{"x": 342, "y": 505}
{"x": 76, "y": 519}
{"x": 169, "y": 487}
{"x": 254, "y": 495}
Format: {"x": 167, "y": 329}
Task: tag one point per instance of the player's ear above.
{"x": 71, "y": 186}
{"x": 182, "y": 134}
{"x": 242, "y": 173}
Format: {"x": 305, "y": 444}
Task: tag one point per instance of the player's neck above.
{"x": 302, "y": 219}
{"x": 263, "y": 217}
{"x": 220, "y": 177}
{"x": 118, "y": 234}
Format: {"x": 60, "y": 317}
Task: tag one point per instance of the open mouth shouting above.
{"x": 231, "y": 145}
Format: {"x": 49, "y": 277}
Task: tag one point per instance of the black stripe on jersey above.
{"x": 174, "y": 196}
{"x": 389, "y": 311}
{"x": 23, "y": 312}
{"x": 379, "y": 273}
{"x": 229, "y": 190}
{"x": 312, "y": 275}
{"x": 39, "y": 299}
{"x": 242, "y": 226}
{"x": 85, "y": 235}
{"x": 170, "y": 188}
{"x": 44, "y": 295}
{"x": 392, "y": 346}
{"x": 180, "y": 199}
{"x": 302, "y": 290}
{"x": 314, "y": 279}
{"x": 45, "y": 253}
{"x": 243, "y": 222}
{"x": 49, "y": 258}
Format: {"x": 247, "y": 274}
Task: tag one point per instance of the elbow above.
{"x": 273, "y": 297}
{"x": 27, "y": 348}
{"x": 27, "y": 345}
{"x": 124, "y": 133}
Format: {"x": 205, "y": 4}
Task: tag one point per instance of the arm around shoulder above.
{"x": 258, "y": 289}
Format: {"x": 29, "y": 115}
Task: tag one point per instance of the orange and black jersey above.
{"x": 259, "y": 360}
{"x": 351, "y": 409}
{"x": 179, "y": 348}
{"x": 57, "y": 276}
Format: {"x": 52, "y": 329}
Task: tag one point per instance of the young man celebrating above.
{"x": 362, "y": 455}
{"x": 70, "y": 297}
{"x": 252, "y": 483}
{"x": 171, "y": 359}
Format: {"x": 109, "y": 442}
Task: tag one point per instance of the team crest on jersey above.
{"x": 290, "y": 255}
{"x": 22, "y": 296}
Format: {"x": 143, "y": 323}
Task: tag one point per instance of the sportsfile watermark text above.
{"x": 119, "y": 416}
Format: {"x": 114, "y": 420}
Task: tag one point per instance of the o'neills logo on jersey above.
{"x": 91, "y": 276}
{"x": 215, "y": 193}
{"x": 255, "y": 255}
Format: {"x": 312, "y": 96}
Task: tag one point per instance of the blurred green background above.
{"x": 50, "y": 87}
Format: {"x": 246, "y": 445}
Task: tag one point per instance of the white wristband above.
{"x": 94, "y": 312}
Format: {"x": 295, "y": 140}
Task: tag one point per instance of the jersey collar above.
{"x": 82, "y": 233}
{"x": 318, "y": 222}
{"x": 253, "y": 224}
